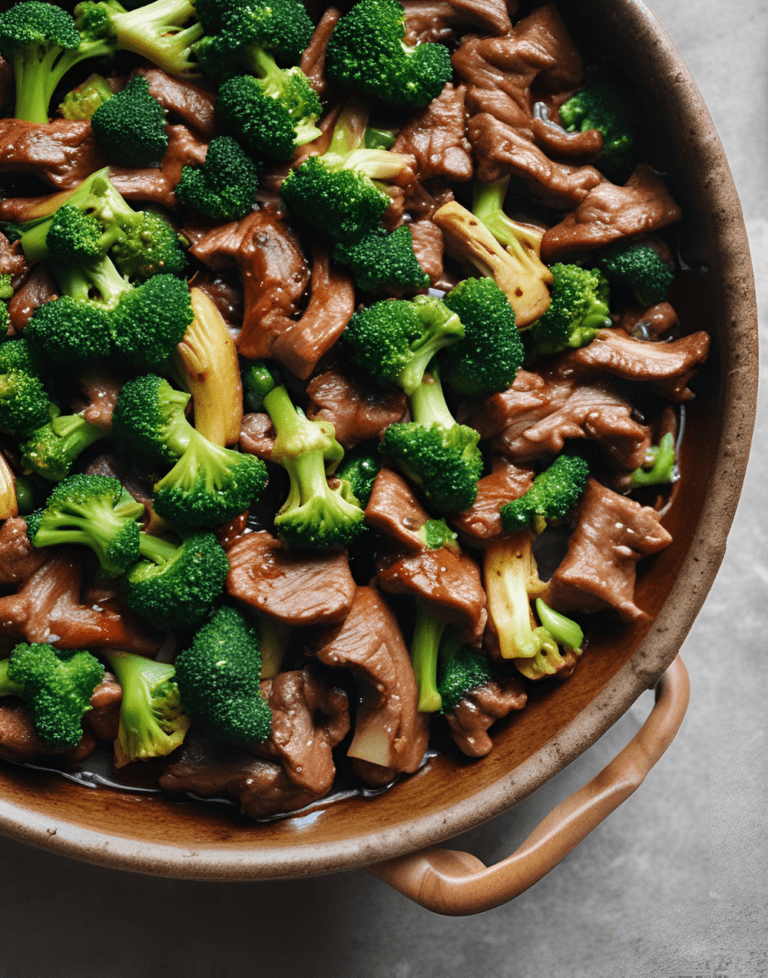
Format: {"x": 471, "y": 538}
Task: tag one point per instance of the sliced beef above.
{"x": 440, "y": 20}
{"x": 295, "y": 588}
{"x": 609, "y": 213}
{"x": 482, "y": 522}
{"x": 357, "y": 409}
{"x": 390, "y": 734}
{"x": 428, "y": 246}
{"x": 648, "y": 323}
{"x": 669, "y": 366}
{"x": 301, "y": 344}
{"x": 61, "y": 153}
{"x": 19, "y": 742}
{"x": 436, "y": 136}
{"x": 36, "y": 289}
{"x": 537, "y": 414}
{"x": 446, "y": 583}
{"x": 599, "y": 569}
{"x": 194, "y": 106}
{"x": 12, "y": 260}
{"x": 18, "y": 558}
{"x": 101, "y": 390}
{"x": 470, "y": 719}
{"x": 313, "y": 59}
{"x": 103, "y": 720}
{"x": 257, "y": 436}
{"x": 156, "y": 185}
{"x": 567, "y": 147}
{"x": 395, "y": 510}
{"x": 224, "y": 294}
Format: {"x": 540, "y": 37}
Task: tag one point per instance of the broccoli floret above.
{"x": 56, "y": 684}
{"x": 24, "y": 403}
{"x": 93, "y": 511}
{"x": 151, "y": 320}
{"x": 42, "y": 43}
{"x": 511, "y": 583}
{"x": 579, "y": 310}
{"x": 487, "y": 359}
{"x": 382, "y": 262}
{"x": 52, "y": 450}
{"x": 395, "y": 339}
{"x": 152, "y": 247}
{"x": 208, "y": 484}
{"x": 249, "y": 28}
{"x": 640, "y": 268}
{"x": 360, "y": 469}
{"x": 313, "y": 516}
{"x": 80, "y": 104}
{"x": 554, "y": 493}
{"x": 337, "y": 193}
{"x": 660, "y": 465}
{"x": 436, "y": 534}
{"x": 603, "y": 104}
{"x": 462, "y": 669}
{"x": 6, "y": 287}
{"x": 434, "y": 452}
{"x": 224, "y": 187}
{"x": 219, "y": 679}
{"x": 177, "y": 584}
{"x": 130, "y": 126}
{"x": 163, "y": 32}
{"x": 367, "y": 53}
{"x": 152, "y": 721}
{"x": 499, "y": 248}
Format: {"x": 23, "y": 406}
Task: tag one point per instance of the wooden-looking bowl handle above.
{"x": 457, "y": 883}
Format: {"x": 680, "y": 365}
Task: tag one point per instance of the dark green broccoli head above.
{"x": 177, "y": 585}
{"x": 130, "y": 126}
{"x": 32, "y": 24}
{"x": 460, "y": 674}
{"x": 367, "y": 53}
{"x": 487, "y": 359}
{"x": 640, "y": 268}
{"x": 359, "y": 470}
{"x": 445, "y": 463}
{"x": 148, "y": 422}
{"x": 151, "y": 320}
{"x": 70, "y": 331}
{"x": 150, "y": 247}
{"x": 24, "y": 403}
{"x": 219, "y": 679}
{"x": 209, "y": 485}
{"x": 382, "y": 262}
{"x": 395, "y": 339}
{"x": 224, "y": 187}
{"x": 74, "y": 236}
{"x": 19, "y": 354}
{"x": 282, "y": 27}
{"x": 57, "y": 685}
{"x": 554, "y": 493}
{"x": 579, "y": 309}
{"x": 315, "y": 516}
{"x": 604, "y": 104}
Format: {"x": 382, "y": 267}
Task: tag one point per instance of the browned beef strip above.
{"x": 195, "y": 106}
{"x": 224, "y": 294}
{"x": 356, "y": 411}
{"x": 36, "y": 289}
{"x": 428, "y": 246}
{"x": 313, "y": 59}
{"x": 669, "y": 366}
{"x": 648, "y": 323}
{"x": 447, "y": 583}
{"x": 257, "y": 435}
{"x": 308, "y": 720}
{"x": 436, "y": 136}
{"x": 538, "y": 413}
{"x": 48, "y": 608}
{"x": 439, "y": 20}
{"x": 19, "y": 742}
{"x": 101, "y": 390}
{"x": 482, "y": 522}
{"x": 609, "y": 213}
{"x": 18, "y": 558}
{"x": 331, "y": 303}
{"x": 61, "y": 153}
{"x": 470, "y": 719}
{"x": 395, "y": 510}
{"x": 612, "y": 533}
{"x": 156, "y": 185}
{"x": 12, "y": 260}
{"x": 295, "y": 588}
{"x": 103, "y": 720}
{"x": 421, "y": 201}
{"x": 390, "y": 733}
{"x": 503, "y": 150}
{"x": 567, "y": 147}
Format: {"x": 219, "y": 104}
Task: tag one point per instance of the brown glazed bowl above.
{"x": 156, "y": 835}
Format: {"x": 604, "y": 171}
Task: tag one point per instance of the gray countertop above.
{"x": 675, "y": 883}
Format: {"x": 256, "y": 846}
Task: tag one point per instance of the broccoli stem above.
{"x": 296, "y": 436}
{"x": 347, "y": 151}
{"x": 563, "y": 630}
{"x": 273, "y": 640}
{"x": 156, "y": 549}
{"x": 155, "y": 32}
{"x": 488, "y": 206}
{"x": 425, "y": 646}
{"x": 511, "y": 580}
{"x": 7, "y": 686}
{"x": 428, "y": 404}
{"x": 38, "y": 71}
{"x": 662, "y": 467}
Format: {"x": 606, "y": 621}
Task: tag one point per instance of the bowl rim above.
{"x": 696, "y": 575}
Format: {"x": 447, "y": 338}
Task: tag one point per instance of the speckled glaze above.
{"x": 154, "y": 835}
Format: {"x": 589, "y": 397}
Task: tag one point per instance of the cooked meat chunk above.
{"x": 60, "y": 153}
{"x": 436, "y": 136}
{"x": 567, "y": 147}
{"x": 18, "y": 558}
{"x": 648, "y": 323}
{"x": 609, "y": 212}
{"x": 479, "y": 709}
{"x": 257, "y": 435}
{"x": 612, "y": 533}
{"x": 537, "y": 414}
{"x": 482, "y": 522}
{"x": 668, "y": 365}
{"x": 194, "y": 106}
{"x": 390, "y": 734}
{"x": 156, "y": 185}
{"x": 101, "y": 390}
{"x": 19, "y": 742}
{"x": 447, "y": 583}
{"x": 301, "y": 344}
{"x": 48, "y": 608}
{"x": 36, "y": 289}
{"x": 12, "y": 260}
{"x": 313, "y": 59}
{"x": 438, "y": 20}
{"x": 224, "y": 294}
{"x": 428, "y": 246}
{"x": 295, "y": 588}
{"x": 103, "y": 719}
{"x": 395, "y": 510}
{"x": 358, "y": 410}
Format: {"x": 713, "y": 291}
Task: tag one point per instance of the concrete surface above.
{"x": 674, "y": 884}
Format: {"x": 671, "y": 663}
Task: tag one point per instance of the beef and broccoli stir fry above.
{"x": 319, "y": 323}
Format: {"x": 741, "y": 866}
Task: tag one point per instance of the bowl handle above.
{"x": 457, "y": 883}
